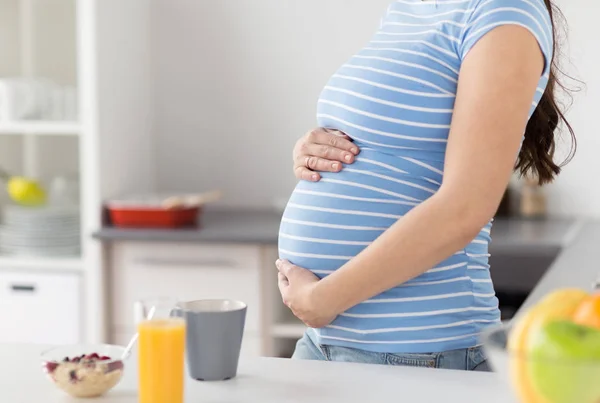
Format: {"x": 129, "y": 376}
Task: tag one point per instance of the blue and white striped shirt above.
{"x": 395, "y": 100}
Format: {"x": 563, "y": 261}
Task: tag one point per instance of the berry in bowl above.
{"x": 84, "y": 370}
{"x": 551, "y": 353}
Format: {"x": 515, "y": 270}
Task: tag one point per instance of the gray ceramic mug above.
{"x": 214, "y": 332}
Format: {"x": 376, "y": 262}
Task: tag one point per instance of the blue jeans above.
{"x": 469, "y": 359}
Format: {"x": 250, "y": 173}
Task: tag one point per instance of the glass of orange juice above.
{"x": 161, "y": 346}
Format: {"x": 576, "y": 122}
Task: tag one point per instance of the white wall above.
{"x": 125, "y": 94}
{"x": 237, "y": 82}
{"x": 577, "y": 191}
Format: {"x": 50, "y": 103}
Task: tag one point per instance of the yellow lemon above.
{"x": 26, "y": 192}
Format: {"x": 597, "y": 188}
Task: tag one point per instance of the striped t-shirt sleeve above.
{"x": 382, "y": 20}
{"x": 529, "y": 14}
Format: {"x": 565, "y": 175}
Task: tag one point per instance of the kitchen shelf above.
{"x": 41, "y": 263}
{"x": 40, "y": 128}
{"x": 288, "y": 330}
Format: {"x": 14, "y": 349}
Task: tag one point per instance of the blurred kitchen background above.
{"x": 118, "y": 108}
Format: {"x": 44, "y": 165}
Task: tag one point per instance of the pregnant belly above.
{"x": 327, "y": 223}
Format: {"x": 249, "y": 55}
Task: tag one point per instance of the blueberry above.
{"x": 73, "y": 376}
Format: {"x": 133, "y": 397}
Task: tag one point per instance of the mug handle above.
{"x": 176, "y": 312}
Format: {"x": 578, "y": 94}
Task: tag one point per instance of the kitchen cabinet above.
{"x": 43, "y": 308}
{"x": 186, "y": 272}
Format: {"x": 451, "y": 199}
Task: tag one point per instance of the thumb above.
{"x": 286, "y": 268}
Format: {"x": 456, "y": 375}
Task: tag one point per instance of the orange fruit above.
{"x": 588, "y": 312}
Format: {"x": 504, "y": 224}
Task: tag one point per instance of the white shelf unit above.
{"x": 100, "y": 47}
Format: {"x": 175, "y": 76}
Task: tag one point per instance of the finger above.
{"x": 336, "y": 132}
{"x": 332, "y": 138}
{"x": 306, "y": 174}
{"x": 327, "y": 152}
{"x": 286, "y": 268}
{"x": 283, "y": 285}
{"x": 343, "y": 141}
{"x": 283, "y": 279}
{"x": 318, "y": 164}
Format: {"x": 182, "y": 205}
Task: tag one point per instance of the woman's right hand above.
{"x": 322, "y": 150}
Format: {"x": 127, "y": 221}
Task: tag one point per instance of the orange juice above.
{"x": 161, "y": 360}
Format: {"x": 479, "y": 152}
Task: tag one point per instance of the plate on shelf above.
{"x": 40, "y": 220}
{"x": 38, "y": 215}
{"x": 39, "y": 245}
{"x": 39, "y": 232}
{"x": 35, "y": 221}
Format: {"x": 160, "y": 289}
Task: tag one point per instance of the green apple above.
{"x": 565, "y": 362}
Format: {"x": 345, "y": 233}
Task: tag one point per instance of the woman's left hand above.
{"x": 297, "y": 286}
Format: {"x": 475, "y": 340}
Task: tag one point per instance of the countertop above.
{"x": 234, "y": 226}
{"x": 262, "y": 227}
{"x": 272, "y": 380}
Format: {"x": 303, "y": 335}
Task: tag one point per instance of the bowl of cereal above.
{"x": 84, "y": 370}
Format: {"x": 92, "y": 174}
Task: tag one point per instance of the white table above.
{"x": 270, "y": 380}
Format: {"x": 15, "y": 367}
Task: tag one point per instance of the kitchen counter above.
{"x": 272, "y": 380}
{"x": 235, "y": 226}
{"x": 524, "y": 235}
{"x": 262, "y": 227}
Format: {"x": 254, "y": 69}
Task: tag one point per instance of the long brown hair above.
{"x": 537, "y": 152}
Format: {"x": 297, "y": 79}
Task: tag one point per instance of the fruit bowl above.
{"x": 84, "y": 370}
{"x": 572, "y": 375}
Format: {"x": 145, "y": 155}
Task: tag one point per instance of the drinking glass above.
{"x": 161, "y": 346}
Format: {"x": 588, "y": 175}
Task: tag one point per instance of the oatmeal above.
{"x": 85, "y": 376}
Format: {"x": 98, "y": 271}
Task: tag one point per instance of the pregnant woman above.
{"x": 384, "y": 244}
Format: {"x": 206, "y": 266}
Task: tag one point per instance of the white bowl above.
{"x": 84, "y": 378}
